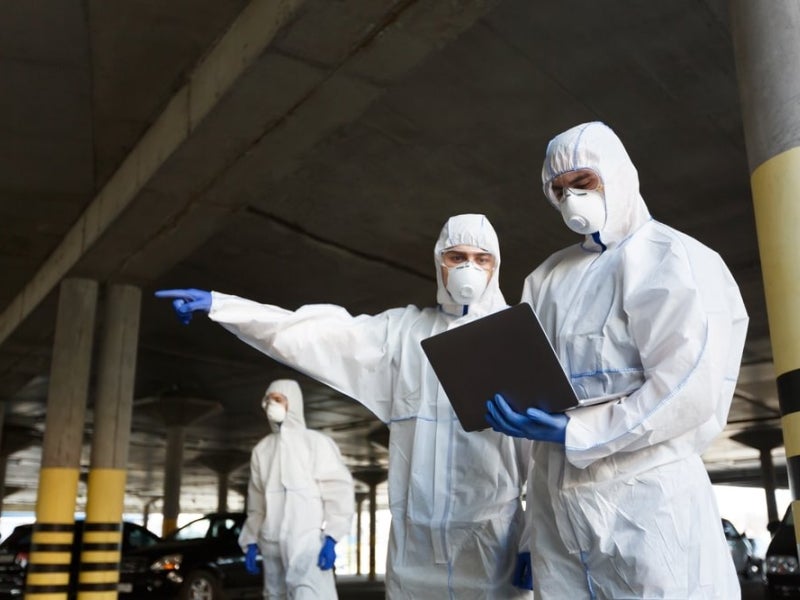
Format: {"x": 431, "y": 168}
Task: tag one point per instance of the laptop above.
{"x": 505, "y": 353}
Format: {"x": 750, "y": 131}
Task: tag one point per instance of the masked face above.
{"x": 584, "y": 211}
{"x": 275, "y": 405}
{"x": 276, "y": 413}
{"x": 466, "y": 282}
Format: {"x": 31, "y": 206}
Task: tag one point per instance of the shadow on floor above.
{"x": 358, "y": 588}
{"x": 352, "y": 587}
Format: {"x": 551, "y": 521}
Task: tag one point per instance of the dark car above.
{"x": 746, "y": 563}
{"x": 200, "y": 561}
{"x": 781, "y": 570}
{"x": 15, "y": 549}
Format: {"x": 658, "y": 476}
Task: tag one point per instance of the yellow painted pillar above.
{"x": 766, "y": 38}
{"x": 53, "y": 534}
{"x": 102, "y": 538}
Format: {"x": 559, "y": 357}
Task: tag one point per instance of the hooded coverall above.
{"x": 455, "y": 497}
{"x": 626, "y": 509}
{"x": 298, "y": 484}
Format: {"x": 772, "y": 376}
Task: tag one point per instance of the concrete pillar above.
{"x": 360, "y": 497}
{"x": 223, "y": 463}
{"x": 173, "y": 470}
{"x": 3, "y": 456}
{"x": 176, "y": 411}
{"x": 146, "y": 510}
{"x": 766, "y": 37}
{"x": 113, "y": 406}
{"x": 764, "y": 440}
{"x": 372, "y": 476}
{"x": 49, "y": 560}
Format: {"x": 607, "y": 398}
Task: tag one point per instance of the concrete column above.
{"x": 360, "y": 497}
{"x": 146, "y": 511}
{"x": 372, "y": 476}
{"x": 223, "y": 463}
{"x": 173, "y": 470}
{"x": 48, "y": 569}
{"x": 764, "y": 440}
{"x": 3, "y": 455}
{"x": 113, "y": 406}
{"x": 766, "y": 37}
{"x": 176, "y": 411}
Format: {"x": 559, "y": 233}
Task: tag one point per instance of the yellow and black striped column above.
{"x": 766, "y": 39}
{"x": 113, "y": 406}
{"x": 53, "y": 534}
{"x": 102, "y": 535}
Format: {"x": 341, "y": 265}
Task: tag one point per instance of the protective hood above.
{"x": 294, "y": 415}
{"x": 595, "y": 146}
{"x": 471, "y": 230}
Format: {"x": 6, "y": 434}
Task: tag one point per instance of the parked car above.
{"x": 200, "y": 561}
{"x": 781, "y": 571}
{"x": 746, "y": 563}
{"x": 15, "y": 549}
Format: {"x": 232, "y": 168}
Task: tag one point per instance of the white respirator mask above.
{"x": 584, "y": 211}
{"x": 466, "y": 283}
{"x": 276, "y": 412}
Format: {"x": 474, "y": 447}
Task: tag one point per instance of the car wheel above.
{"x": 201, "y": 585}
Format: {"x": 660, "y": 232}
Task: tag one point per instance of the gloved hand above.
{"x": 250, "y": 559}
{"x": 523, "y": 576}
{"x": 535, "y": 424}
{"x": 185, "y": 302}
{"x": 327, "y": 556}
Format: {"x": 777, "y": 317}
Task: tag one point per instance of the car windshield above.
{"x": 215, "y": 527}
{"x": 193, "y": 531}
{"x": 19, "y": 538}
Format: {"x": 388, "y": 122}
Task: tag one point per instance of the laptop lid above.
{"x": 505, "y": 353}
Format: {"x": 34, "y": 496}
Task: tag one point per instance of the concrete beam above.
{"x": 211, "y": 80}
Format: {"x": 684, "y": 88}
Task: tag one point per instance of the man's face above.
{"x": 275, "y": 397}
{"x": 582, "y": 179}
{"x": 458, "y": 255}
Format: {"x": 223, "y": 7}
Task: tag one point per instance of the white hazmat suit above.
{"x": 625, "y": 509}
{"x": 457, "y": 520}
{"x": 298, "y": 485}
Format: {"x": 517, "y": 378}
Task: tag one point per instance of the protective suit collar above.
{"x": 595, "y": 146}
{"x": 294, "y": 415}
{"x": 471, "y": 230}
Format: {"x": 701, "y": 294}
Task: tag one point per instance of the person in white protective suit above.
{"x": 455, "y": 497}
{"x": 623, "y": 506}
{"x": 300, "y": 501}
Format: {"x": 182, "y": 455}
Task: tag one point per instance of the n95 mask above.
{"x": 276, "y": 412}
{"x": 466, "y": 282}
{"x": 584, "y": 211}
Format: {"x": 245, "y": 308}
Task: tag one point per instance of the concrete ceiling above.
{"x": 299, "y": 152}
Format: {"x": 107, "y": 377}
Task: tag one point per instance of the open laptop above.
{"x": 505, "y": 353}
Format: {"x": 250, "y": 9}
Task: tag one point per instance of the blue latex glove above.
{"x": 185, "y": 302}
{"x": 250, "y": 559}
{"x": 523, "y": 576}
{"x": 534, "y": 424}
{"x": 327, "y": 556}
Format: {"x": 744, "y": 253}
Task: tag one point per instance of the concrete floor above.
{"x": 360, "y": 589}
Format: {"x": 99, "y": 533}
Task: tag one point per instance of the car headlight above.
{"x": 170, "y": 562}
{"x": 781, "y": 564}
